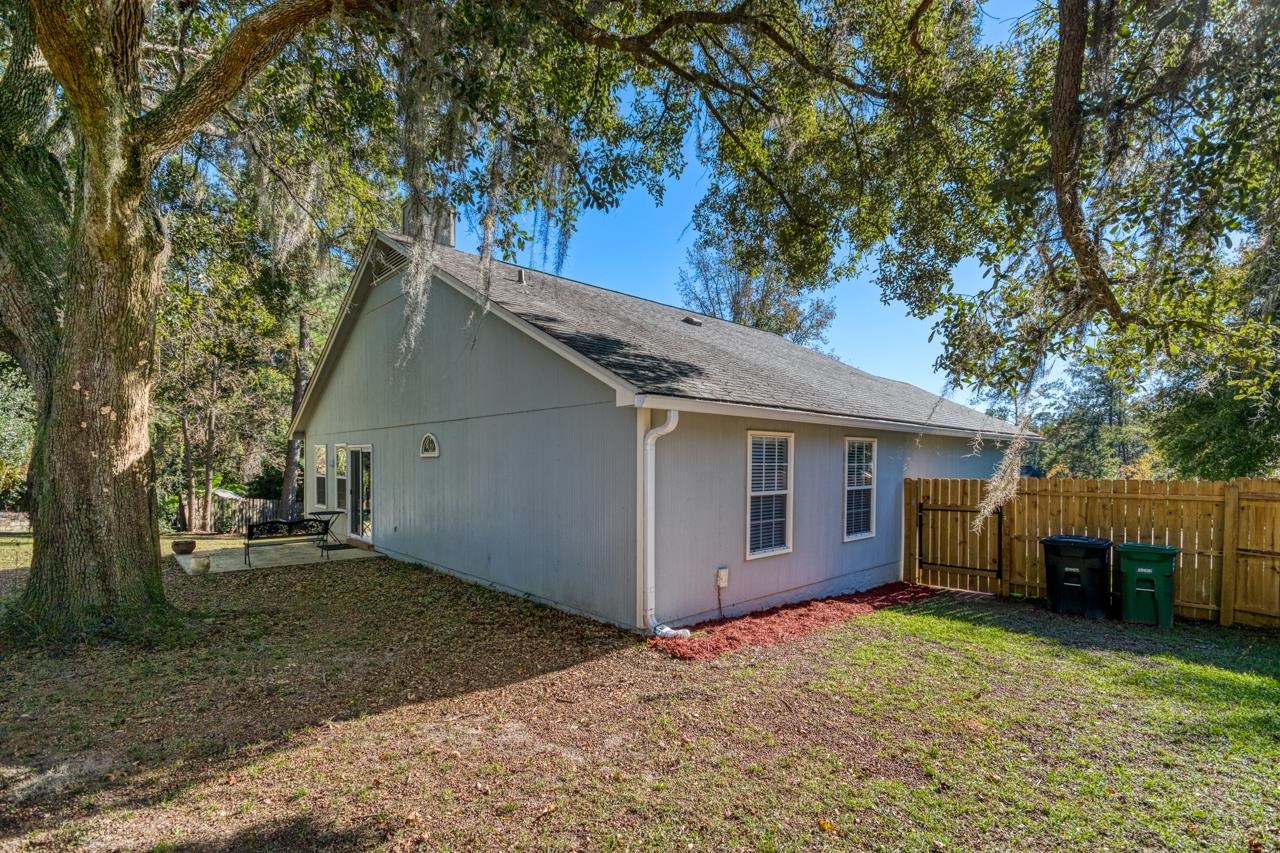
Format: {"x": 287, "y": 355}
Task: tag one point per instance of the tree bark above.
{"x": 80, "y": 268}
{"x": 188, "y": 499}
{"x": 96, "y": 561}
{"x": 293, "y": 453}
{"x": 1066, "y": 123}
{"x": 210, "y": 448}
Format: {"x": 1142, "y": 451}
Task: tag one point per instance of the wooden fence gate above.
{"x": 1228, "y": 532}
{"x": 951, "y": 553}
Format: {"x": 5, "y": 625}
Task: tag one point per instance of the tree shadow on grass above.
{"x": 278, "y": 651}
{"x": 298, "y": 833}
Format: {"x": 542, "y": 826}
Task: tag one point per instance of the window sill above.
{"x": 776, "y": 552}
{"x": 860, "y": 537}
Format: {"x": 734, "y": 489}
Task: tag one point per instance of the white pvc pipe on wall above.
{"x": 650, "y": 525}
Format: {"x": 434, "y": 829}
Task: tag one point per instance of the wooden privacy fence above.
{"x": 230, "y": 516}
{"x": 1229, "y": 533}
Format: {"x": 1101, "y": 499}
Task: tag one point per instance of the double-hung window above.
{"x": 859, "y": 488}
{"x": 340, "y": 475}
{"x": 768, "y": 493}
{"x": 322, "y": 475}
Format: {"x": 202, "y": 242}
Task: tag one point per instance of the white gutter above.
{"x": 650, "y": 526}
{"x": 743, "y": 410}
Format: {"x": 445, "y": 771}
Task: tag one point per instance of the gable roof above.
{"x": 668, "y": 362}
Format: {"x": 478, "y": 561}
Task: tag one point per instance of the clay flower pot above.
{"x": 183, "y": 546}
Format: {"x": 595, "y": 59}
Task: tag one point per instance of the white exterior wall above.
{"x": 534, "y": 488}
{"x": 702, "y": 513}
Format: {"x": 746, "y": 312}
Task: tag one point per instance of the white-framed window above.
{"x": 859, "y": 488}
{"x": 769, "y": 474}
{"x": 321, "y": 474}
{"x": 340, "y": 475}
{"x": 430, "y": 448}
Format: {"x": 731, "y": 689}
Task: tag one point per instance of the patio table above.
{"x": 328, "y": 516}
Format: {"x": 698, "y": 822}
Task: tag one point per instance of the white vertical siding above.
{"x": 701, "y": 519}
{"x": 534, "y": 487}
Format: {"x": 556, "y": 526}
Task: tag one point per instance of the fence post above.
{"x": 910, "y": 557}
{"x": 1230, "y": 551}
{"x": 1008, "y": 523}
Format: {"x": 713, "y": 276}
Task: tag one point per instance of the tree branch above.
{"x": 797, "y": 54}
{"x": 250, "y": 47}
{"x": 1064, "y": 149}
{"x": 643, "y": 45}
{"x": 913, "y": 26}
{"x": 67, "y": 35}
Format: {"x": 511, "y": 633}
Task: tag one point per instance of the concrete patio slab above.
{"x": 231, "y": 559}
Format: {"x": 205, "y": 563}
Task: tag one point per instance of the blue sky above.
{"x": 639, "y": 248}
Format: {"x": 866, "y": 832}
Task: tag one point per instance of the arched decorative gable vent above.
{"x": 430, "y": 448}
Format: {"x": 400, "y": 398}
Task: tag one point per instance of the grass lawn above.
{"x": 374, "y": 703}
{"x": 15, "y": 553}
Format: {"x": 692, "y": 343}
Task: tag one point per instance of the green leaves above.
{"x": 1176, "y": 162}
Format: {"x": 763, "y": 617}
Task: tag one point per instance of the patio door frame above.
{"x": 354, "y": 484}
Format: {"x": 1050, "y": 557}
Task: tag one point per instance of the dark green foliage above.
{"x": 266, "y": 484}
{"x": 17, "y": 430}
{"x": 1173, "y": 160}
{"x": 1093, "y": 429}
{"x": 1091, "y": 425}
{"x": 1210, "y": 431}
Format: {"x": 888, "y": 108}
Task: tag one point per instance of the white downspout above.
{"x": 650, "y": 526}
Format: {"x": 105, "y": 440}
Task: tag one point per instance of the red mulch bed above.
{"x": 778, "y": 624}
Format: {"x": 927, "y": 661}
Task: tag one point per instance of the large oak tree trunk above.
{"x": 93, "y": 504}
{"x": 79, "y": 282}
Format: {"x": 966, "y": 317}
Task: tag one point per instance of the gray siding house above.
{"x": 612, "y": 456}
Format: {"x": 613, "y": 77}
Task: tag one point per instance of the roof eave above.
{"x": 720, "y": 407}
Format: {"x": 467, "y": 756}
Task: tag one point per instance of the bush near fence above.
{"x": 1229, "y": 533}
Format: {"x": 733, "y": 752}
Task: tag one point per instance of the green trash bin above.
{"x": 1145, "y": 576}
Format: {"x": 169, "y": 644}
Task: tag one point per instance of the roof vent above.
{"x": 692, "y": 321}
{"x": 519, "y": 276}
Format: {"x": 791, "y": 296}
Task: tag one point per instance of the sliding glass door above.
{"x": 360, "y": 506}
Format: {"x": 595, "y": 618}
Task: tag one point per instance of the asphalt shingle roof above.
{"x": 650, "y": 345}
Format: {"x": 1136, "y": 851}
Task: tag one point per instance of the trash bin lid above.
{"x": 1083, "y": 541}
{"x": 1145, "y": 549}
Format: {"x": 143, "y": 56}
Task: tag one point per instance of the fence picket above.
{"x": 1228, "y": 533}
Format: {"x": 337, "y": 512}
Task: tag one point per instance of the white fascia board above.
{"x": 740, "y": 410}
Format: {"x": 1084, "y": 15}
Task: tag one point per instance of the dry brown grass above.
{"x": 373, "y": 703}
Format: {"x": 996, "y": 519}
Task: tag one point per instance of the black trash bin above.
{"x": 1077, "y": 575}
